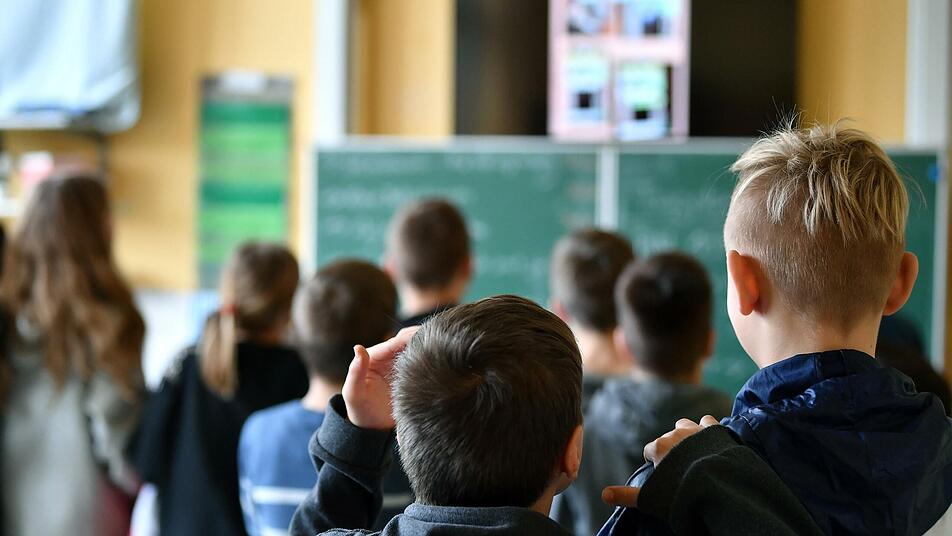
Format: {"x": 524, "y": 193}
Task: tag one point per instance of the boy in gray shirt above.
{"x": 664, "y": 313}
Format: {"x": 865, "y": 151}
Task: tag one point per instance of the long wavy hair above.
{"x": 257, "y": 288}
{"x": 60, "y": 277}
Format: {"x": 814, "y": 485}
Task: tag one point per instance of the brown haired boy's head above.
{"x": 428, "y": 245}
{"x": 664, "y": 312}
{"x": 348, "y": 302}
{"x": 817, "y": 226}
{"x": 487, "y": 401}
{"x": 585, "y": 266}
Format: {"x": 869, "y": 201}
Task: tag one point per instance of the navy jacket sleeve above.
{"x": 351, "y": 464}
{"x": 712, "y": 484}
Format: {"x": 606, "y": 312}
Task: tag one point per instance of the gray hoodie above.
{"x": 63, "y": 446}
{"x": 622, "y": 418}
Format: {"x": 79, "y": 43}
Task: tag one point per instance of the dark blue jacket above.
{"x": 854, "y": 441}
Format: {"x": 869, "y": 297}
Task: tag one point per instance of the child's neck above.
{"x": 792, "y": 336}
{"x": 414, "y": 301}
{"x": 319, "y": 394}
{"x": 599, "y": 356}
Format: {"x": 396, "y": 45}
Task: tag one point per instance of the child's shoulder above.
{"x": 277, "y": 416}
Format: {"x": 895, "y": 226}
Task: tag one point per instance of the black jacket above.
{"x": 188, "y": 440}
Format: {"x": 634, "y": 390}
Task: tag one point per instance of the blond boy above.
{"x": 815, "y": 240}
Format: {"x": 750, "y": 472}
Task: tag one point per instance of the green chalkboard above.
{"x": 519, "y": 200}
{"x": 677, "y": 198}
{"x": 517, "y": 204}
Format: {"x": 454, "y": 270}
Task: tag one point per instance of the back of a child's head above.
{"x": 823, "y": 210}
{"x": 257, "y": 287}
{"x": 428, "y": 244}
{"x": 585, "y": 266}
{"x": 486, "y": 399}
{"x": 664, "y": 310}
{"x": 348, "y": 302}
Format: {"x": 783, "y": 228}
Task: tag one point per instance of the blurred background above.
{"x": 307, "y": 121}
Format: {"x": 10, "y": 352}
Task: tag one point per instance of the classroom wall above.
{"x": 852, "y": 63}
{"x": 402, "y": 75}
{"x": 153, "y": 166}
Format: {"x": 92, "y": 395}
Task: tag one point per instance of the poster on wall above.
{"x": 244, "y": 165}
{"x": 618, "y": 69}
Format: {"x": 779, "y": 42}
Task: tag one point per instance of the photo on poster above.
{"x": 647, "y": 18}
{"x": 587, "y": 77}
{"x": 589, "y": 17}
{"x": 642, "y": 100}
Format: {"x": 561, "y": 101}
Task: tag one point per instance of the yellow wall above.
{"x": 402, "y": 70}
{"x": 153, "y": 169}
{"x": 852, "y": 63}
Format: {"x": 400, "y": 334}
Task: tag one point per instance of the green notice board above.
{"x": 678, "y": 198}
{"x": 244, "y": 178}
{"x": 517, "y": 204}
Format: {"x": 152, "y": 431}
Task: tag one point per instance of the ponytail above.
{"x": 218, "y": 353}
{"x": 257, "y": 288}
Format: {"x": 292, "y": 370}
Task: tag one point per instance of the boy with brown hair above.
{"x": 485, "y": 399}
{"x": 428, "y": 256}
{"x": 665, "y": 308}
{"x": 585, "y": 266}
{"x": 347, "y": 302}
{"x": 815, "y": 240}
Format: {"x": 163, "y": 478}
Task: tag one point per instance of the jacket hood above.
{"x": 863, "y": 451}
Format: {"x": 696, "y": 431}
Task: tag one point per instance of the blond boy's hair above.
{"x": 823, "y": 210}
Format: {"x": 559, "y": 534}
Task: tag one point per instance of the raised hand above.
{"x": 367, "y": 387}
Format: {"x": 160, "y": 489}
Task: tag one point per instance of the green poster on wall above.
{"x": 244, "y": 166}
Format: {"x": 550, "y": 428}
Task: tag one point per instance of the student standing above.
{"x": 348, "y": 302}
{"x": 585, "y": 266}
{"x": 816, "y": 255}
{"x": 189, "y": 439}
{"x": 428, "y": 256}
{"x": 665, "y": 308}
{"x": 70, "y": 370}
{"x": 486, "y": 401}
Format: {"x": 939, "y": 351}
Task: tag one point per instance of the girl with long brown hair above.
{"x": 189, "y": 438}
{"x": 70, "y": 374}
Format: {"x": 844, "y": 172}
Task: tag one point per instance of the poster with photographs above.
{"x": 619, "y": 69}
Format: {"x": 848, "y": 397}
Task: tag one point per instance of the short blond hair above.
{"x": 823, "y": 210}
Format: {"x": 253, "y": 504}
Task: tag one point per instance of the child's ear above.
{"x": 621, "y": 344}
{"x": 742, "y": 273}
{"x": 468, "y": 268}
{"x": 711, "y": 343}
{"x": 572, "y": 460}
{"x": 567, "y": 470}
{"x": 390, "y": 268}
{"x": 559, "y": 310}
{"x": 902, "y": 286}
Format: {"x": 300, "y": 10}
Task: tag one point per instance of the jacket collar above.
{"x": 795, "y": 375}
{"x": 494, "y": 520}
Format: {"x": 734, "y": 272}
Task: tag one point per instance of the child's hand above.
{"x": 655, "y": 452}
{"x": 367, "y": 387}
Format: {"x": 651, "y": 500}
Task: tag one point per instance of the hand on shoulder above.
{"x": 655, "y": 452}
